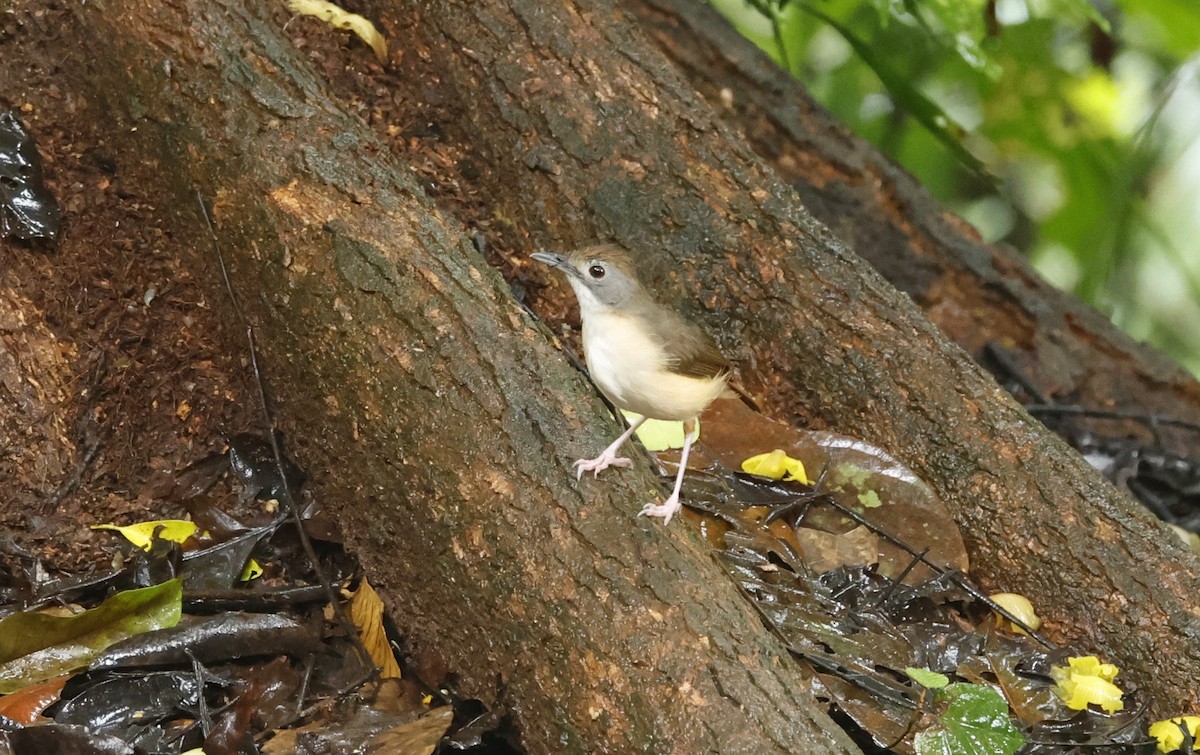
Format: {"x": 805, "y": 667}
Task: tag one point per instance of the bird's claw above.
{"x": 666, "y": 510}
{"x": 599, "y": 464}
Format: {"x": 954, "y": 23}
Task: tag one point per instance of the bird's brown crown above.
{"x": 610, "y": 254}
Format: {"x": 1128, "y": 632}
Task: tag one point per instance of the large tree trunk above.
{"x": 433, "y": 414}
{"x": 440, "y": 422}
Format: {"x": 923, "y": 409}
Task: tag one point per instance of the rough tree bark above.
{"x": 440, "y": 422}
{"x": 431, "y": 411}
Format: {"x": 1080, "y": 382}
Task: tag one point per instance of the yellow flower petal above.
{"x": 1168, "y": 734}
{"x": 1019, "y": 606}
{"x": 1091, "y": 665}
{"x": 1086, "y": 681}
{"x": 1078, "y": 692}
{"x": 777, "y": 465}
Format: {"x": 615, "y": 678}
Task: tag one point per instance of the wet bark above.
{"x": 439, "y": 421}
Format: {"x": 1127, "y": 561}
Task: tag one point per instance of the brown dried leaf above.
{"x": 366, "y": 611}
{"x": 824, "y": 551}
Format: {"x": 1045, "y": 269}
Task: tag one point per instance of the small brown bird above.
{"x": 646, "y": 358}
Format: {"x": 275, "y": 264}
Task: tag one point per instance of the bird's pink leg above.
{"x": 669, "y": 507}
{"x": 608, "y": 457}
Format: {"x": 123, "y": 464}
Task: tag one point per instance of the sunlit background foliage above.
{"x": 1068, "y": 129}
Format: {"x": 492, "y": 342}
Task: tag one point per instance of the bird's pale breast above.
{"x": 633, "y": 371}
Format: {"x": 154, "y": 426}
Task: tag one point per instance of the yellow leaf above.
{"x": 366, "y": 611}
{"x": 142, "y": 533}
{"x": 777, "y": 465}
{"x": 660, "y": 434}
{"x": 341, "y": 19}
{"x": 252, "y": 570}
{"x": 1087, "y": 681}
{"x": 1168, "y": 733}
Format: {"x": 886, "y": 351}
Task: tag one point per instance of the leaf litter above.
{"x": 862, "y": 574}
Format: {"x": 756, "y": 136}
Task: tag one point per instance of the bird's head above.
{"x": 602, "y": 276}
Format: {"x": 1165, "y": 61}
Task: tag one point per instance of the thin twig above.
{"x": 1147, "y": 418}
{"x": 288, "y": 499}
{"x": 952, "y": 574}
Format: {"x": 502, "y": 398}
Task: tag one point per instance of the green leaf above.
{"x": 976, "y": 722}
{"x": 926, "y": 678}
{"x": 1078, "y": 10}
{"x": 926, "y": 111}
{"x": 958, "y": 24}
{"x": 35, "y": 647}
{"x": 1174, "y": 23}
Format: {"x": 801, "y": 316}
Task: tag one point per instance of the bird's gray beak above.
{"x": 553, "y": 260}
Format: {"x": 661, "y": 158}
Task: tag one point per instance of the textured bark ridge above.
{"x": 439, "y": 420}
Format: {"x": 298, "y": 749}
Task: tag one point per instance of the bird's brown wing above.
{"x": 690, "y": 351}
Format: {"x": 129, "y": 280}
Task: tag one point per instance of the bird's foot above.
{"x": 666, "y": 509}
{"x": 602, "y": 462}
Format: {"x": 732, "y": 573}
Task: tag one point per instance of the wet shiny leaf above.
{"x": 419, "y": 737}
{"x": 860, "y": 477}
{"x": 219, "y": 638}
{"x": 120, "y": 701}
{"x": 35, "y": 647}
{"x": 62, "y": 740}
{"x": 221, "y": 565}
{"x": 25, "y": 706}
{"x": 28, "y": 210}
{"x": 975, "y": 722}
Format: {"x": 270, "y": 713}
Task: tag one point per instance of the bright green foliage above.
{"x": 975, "y": 722}
{"x": 35, "y": 647}
{"x": 1048, "y": 125}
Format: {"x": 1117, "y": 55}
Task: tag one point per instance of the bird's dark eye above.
{"x": 596, "y": 271}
